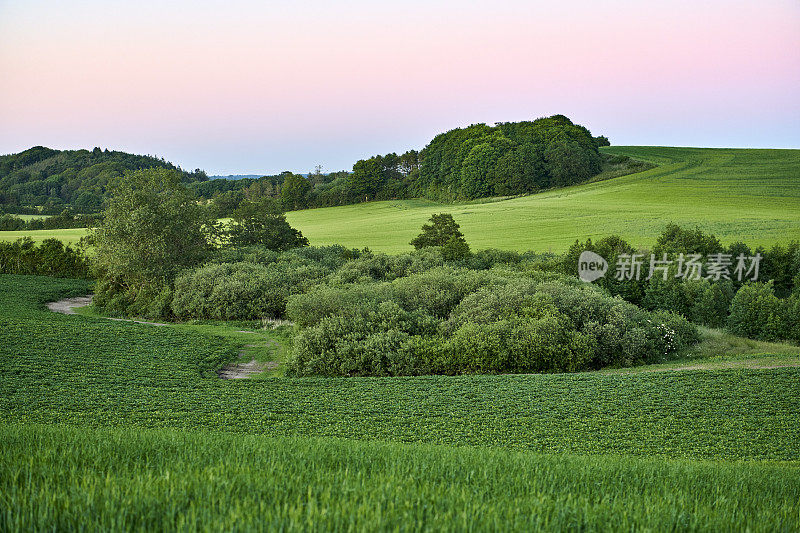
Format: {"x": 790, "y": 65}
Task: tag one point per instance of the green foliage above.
{"x": 230, "y": 291}
{"x": 510, "y": 158}
{"x": 295, "y": 191}
{"x": 80, "y": 371}
{"x": 757, "y": 313}
{"x": 65, "y": 478}
{"x": 676, "y": 239}
{"x": 78, "y": 178}
{"x": 443, "y": 231}
{"x": 50, "y": 258}
{"x": 151, "y": 229}
{"x": 453, "y": 321}
{"x": 263, "y": 223}
{"x": 65, "y": 220}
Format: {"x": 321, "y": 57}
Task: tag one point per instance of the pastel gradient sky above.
{"x": 241, "y": 86}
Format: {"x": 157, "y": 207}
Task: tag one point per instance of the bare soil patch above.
{"x": 67, "y": 306}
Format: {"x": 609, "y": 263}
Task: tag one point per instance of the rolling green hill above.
{"x": 737, "y": 194}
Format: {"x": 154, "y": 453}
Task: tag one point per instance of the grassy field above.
{"x": 69, "y": 236}
{"x": 66, "y": 478}
{"x": 90, "y": 371}
{"x": 121, "y": 425}
{"x": 738, "y": 194}
{"x": 749, "y": 195}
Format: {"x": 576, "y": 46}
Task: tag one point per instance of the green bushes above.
{"x": 50, "y": 258}
{"x": 701, "y": 301}
{"x": 757, "y": 313}
{"x": 451, "y": 320}
{"x": 230, "y": 291}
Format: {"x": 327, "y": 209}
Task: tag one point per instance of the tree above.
{"x": 152, "y": 228}
{"x": 263, "y": 222}
{"x": 443, "y": 231}
{"x": 294, "y": 192}
{"x": 570, "y": 163}
{"x": 227, "y": 202}
{"x": 366, "y": 179}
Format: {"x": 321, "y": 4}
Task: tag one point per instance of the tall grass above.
{"x": 61, "y": 478}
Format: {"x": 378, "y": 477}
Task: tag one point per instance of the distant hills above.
{"x": 47, "y": 180}
{"x": 237, "y": 177}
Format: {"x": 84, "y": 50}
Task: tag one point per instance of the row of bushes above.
{"x": 50, "y": 258}
{"x": 757, "y": 313}
{"x": 450, "y": 320}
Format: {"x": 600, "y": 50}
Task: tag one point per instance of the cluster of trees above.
{"x": 465, "y": 163}
{"x": 153, "y": 228}
{"x": 509, "y": 158}
{"x": 50, "y": 258}
{"x": 52, "y": 179}
{"x": 769, "y": 307}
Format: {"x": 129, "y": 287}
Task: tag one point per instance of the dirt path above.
{"x": 239, "y": 370}
{"x": 67, "y": 306}
{"x": 245, "y": 370}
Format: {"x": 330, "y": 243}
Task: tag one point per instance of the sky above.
{"x": 257, "y": 87}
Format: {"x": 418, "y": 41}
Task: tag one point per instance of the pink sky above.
{"x": 241, "y": 87}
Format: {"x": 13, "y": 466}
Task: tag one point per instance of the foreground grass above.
{"x": 94, "y": 372}
{"x": 62, "y": 478}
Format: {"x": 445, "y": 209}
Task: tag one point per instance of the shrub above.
{"x": 438, "y": 291}
{"x": 230, "y": 291}
{"x": 757, "y": 313}
{"x": 49, "y": 258}
{"x": 374, "y": 339}
{"x": 452, "y": 321}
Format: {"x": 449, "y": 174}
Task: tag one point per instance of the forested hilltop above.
{"x": 478, "y": 161}
{"x": 51, "y": 180}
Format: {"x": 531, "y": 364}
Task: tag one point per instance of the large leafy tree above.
{"x": 263, "y": 222}
{"x": 152, "y": 228}
{"x": 295, "y": 191}
{"x": 441, "y": 231}
{"x": 367, "y": 178}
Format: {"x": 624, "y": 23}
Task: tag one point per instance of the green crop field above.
{"x": 96, "y": 415}
{"x": 738, "y": 194}
{"x": 66, "y": 478}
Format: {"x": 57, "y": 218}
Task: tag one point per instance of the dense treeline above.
{"x": 466, "y": 163}
{"x": 478, "y": 161}
{"x": 52, "y": 179}
{"x": 509, "y": 158}
{"x": 767, "y": 308}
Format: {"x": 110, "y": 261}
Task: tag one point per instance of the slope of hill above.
{"x": 737, "y": 194}
{"x": 54, "y": 179}
{"x": 751, "y": 195}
